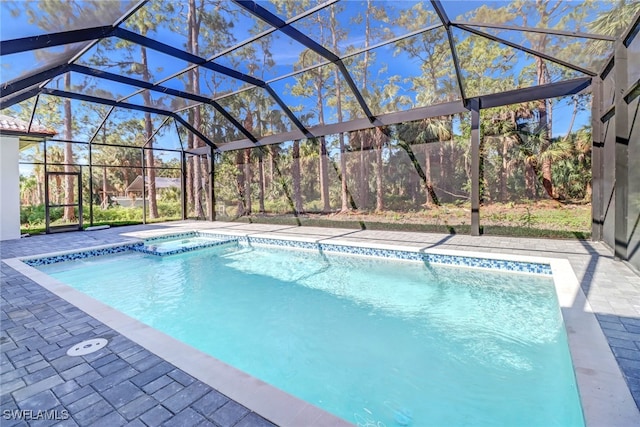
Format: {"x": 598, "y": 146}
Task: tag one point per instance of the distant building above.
{"x": 134, "y": 190}
{"x": 161, "y": 183}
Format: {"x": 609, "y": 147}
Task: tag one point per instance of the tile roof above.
{"x": 13, "y": 125}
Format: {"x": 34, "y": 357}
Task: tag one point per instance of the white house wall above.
{"x": 9, "y": 188}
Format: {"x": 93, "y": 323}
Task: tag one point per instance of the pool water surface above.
{"x": 373, "y": 341}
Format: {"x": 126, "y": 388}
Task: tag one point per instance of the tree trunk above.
{"x": 442, "y": 183}
{"x": 58, "y": 194}
{"x": 343, "y": 175}
{"x": 545, "y": 143}
{"x": 297, "y": 194}
{"x": 248, "y": 124}
{"x": 427, "y": 172}
{"x": 207, "y": 181}
{"x": 324, "y": 175}
{"x": 530, "y": 180}
{"x": 379, "y": 190}
{"x": 198, "y": 210}
{"x": 39, "y": 185}
{"x": 362, "y": 174}
{"x": 261, "y": 180}
{"x": 247, "y": 180}
{"x": 323, "y": 167}
{"x": 151, "y": 172}
{"x": 148, "y": 128}
{"x": 573, "y": 117}
{"x": 544, "y": 146}
{"x": 338, "y": 91}
{"x": 240, "y": 183}
{"x": 504, "y": 172}
{"x": 105, "y": 190}
{"x": 271, "y": 162}
{"x": 197, "y": 162}
{"x": 190, "y": 180}
{"x": 69, "y": 212}
{"x": 194, "y": 75}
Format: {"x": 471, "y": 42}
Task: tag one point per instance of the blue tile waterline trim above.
{"x": 442, "y": 259}
{"x": 34, "y": 262}
{"x": 171, "y": 237}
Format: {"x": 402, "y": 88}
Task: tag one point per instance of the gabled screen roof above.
{"x": 254, "y": 70}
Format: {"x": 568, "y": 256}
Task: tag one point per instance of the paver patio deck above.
{"x": 126, "y": 384}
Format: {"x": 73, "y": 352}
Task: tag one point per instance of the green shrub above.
{"x": 170, "y": 209}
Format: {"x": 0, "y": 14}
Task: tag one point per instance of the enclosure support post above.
{"x": 183, "y": 184}
{"x": 474, "y": 105}
{"x": 212, "y": 184}
{"x": 144, "y": 188}
{"x": 90, "y": 187}
{"x": 46, "y": 187}
{"x": 622, "y": 152}
{"x": 597, "y": 158}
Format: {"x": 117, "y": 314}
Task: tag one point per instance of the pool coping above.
{"x": 605, "y": 397}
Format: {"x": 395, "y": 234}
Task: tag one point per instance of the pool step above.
{"x": 156, "y": 248}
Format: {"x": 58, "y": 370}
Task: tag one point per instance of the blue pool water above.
{"x": 374, "y": 341}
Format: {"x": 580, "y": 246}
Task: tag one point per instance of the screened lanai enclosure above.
{"x": 458, "y": 116}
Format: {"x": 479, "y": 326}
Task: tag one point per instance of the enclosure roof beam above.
{"x": 195, "y": 131}
{"x": 230, "y": 118}
{"x": 526, "y": 49}
{"x": 442, "y": 14}
{"x": 252, "y": 39}
{"x": 356, "y": 52}
{"x": 104, "y": 120}
{"x": 104, "y": 101}
{"x": 632, "y": 93}
{"x": 130, "y": 12}
{"x": 454, "y": 53}
{"x": 550, "y": 90}
{"x": 534, "y": 93}
{"x": 37, "y": 77}
{"x": 275, "y": 21}
{"x": 161, "y": 89}
{"x": 185, "y": 56}
{"x": 288, "y": 112}
{"x": 8, "y": 101}
{"x": 155, "y": 132}
{"x": 8, "y": 47}
{"x": 120, "y": 78}
{"x": 632, "y": 30}
{"x": 97, "y": 100}
{"x": 444, "y": 109}
{"x": 538, "y": 30}
{"x": 33, "y": 112}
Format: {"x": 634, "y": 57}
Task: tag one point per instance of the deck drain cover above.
{"x": 86, "y": 347}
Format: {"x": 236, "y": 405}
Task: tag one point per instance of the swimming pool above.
{"x": 368, "y": 339}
